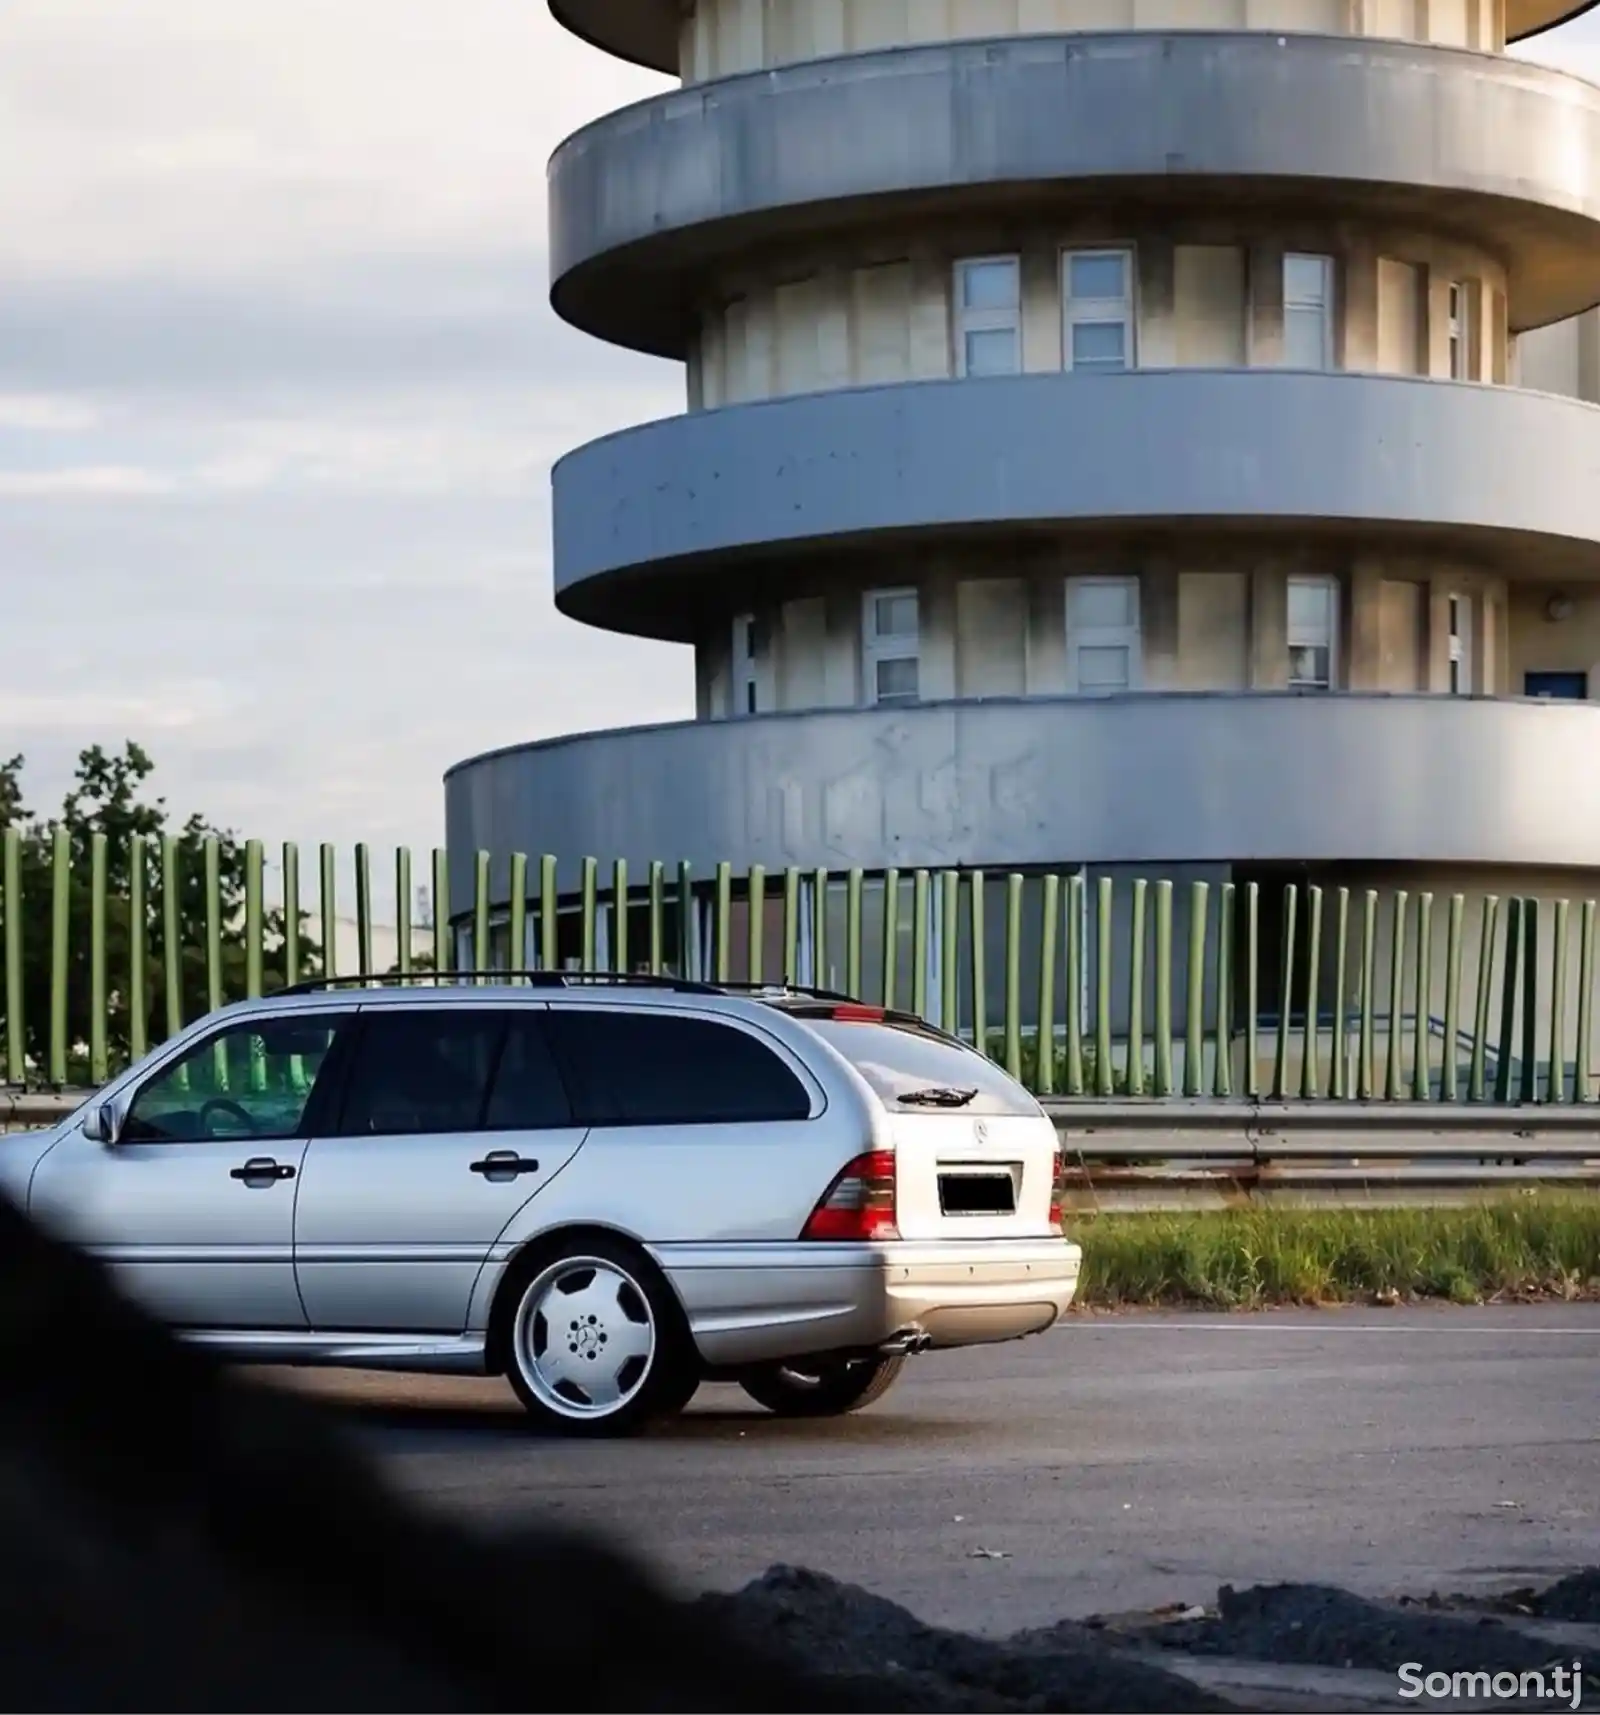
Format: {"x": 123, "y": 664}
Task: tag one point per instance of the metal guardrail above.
{"x": 1176, "y": 1154}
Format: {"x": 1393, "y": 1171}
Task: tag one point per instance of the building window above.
{"x": 988, "y": 319}
{"x": 1097, "y": 309}
{"x": 749, "y": 657}
{"x": 1313, "y": 633}
{"x": 1103, "y": 642}
{"x": 1460, "y": 344}
{"x": 1308, "y": 311}
{"x": 1460, "y": 646}
{"x": 891, "y": 647}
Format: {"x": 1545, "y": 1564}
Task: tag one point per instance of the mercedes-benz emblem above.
{"x": 980, "y": 1131}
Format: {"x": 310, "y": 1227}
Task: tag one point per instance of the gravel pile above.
{"x": 1576, "y": 1598}
{"x": 879, "y": 1653}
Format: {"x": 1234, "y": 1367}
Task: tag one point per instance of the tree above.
{"x": 108, "y": 796}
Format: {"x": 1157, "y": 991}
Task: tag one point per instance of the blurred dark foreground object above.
{"x": 174, "y": 1537}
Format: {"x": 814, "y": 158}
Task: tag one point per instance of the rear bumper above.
{"x": 756, "y": 1303}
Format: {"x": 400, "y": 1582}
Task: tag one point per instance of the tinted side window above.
{"x": 251, "y": 1081}
{"x": 528, "y": 1093}
{"x": 421, "y": 1072}
{"x": 638, "y": 1068}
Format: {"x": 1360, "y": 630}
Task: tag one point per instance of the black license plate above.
{"x": 977, "y": 1194}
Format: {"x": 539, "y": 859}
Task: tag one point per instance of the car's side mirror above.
{"x": 104, "y": 1121}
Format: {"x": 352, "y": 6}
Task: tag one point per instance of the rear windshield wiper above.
{"x": 936, "y": 1096}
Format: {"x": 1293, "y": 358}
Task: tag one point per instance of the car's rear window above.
{"x": 898, "y": 1061}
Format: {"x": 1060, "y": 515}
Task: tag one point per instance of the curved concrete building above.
{"x": 1119, "y": 433}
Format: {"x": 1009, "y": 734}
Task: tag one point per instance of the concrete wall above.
{"x": 1208, "y": 293}
{"x": 721, "y": 38}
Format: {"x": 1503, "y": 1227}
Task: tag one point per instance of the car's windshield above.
{"x": 915, "y": 1072}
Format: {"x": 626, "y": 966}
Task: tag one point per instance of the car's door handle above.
{"x": 262, "y": 1170}
{"x": 504, "y": 1162}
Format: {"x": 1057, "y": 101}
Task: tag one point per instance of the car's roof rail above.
{"x": 502, "y": 979}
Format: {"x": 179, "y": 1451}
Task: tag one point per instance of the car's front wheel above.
{"x": 597, "y": 1342}
{"x": 821, "y": 1387}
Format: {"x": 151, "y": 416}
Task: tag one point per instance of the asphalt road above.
{"x": 1117, "y": 1463}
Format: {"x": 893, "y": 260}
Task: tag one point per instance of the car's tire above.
{"x": 822, "y": 1387}
{"x": 597, "y": 1344}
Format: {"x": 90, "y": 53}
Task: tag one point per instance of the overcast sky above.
{"x": 280, "y": 391}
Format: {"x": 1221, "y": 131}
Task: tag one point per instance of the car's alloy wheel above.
{"x": 822, "y": 1387}
{"x": 595, "y": 1345}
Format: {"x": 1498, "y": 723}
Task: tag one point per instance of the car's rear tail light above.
{"x": 859, "y": 1205}
{"x": 1058, "y": 1189}
{"x": 854, "y": 1012}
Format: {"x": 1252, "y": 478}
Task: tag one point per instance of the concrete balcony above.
{"x": 651, "y": 202}
{"x": 1153, "y": 780}
{"x": 648, "y": 518}
{"x": 647, "y": 31}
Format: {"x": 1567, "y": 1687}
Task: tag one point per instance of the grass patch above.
{"x": 1535, "y": 1245}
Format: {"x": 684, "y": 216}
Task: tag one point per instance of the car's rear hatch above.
{"x": 974, "y": 1152}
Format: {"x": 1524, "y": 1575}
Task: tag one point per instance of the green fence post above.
{"x": 1422, "y": 1016}
{"x": 1394, "y": 1074}
{"x": 255, "y": 863}
{"x": 1194, "y": 1023}
{"x": 891, "y": 939}
{"x": 550, "y": 913}
{"x": 1339, "y": 1078}
{"x": 1510, "y": 975}
{"x": 60, "y": 920}
{"x": 11, "y": 897}
{"x": 1311, "y": 1033}
{"x": 402, "y": 909}
{"x": 1044, "y": 1053}
{"x": 588, "y": 894}
{"x": 1530, "y": 1009}
{"x": 1222, "y": 1083}
{"x": 213, "y": 879}
{"x": 1252, "y": 983}
{"x": 99, "y": 1068}
{"x": 480, "y": 913}
{"x": 516, "y": 914}
{"x": 658, "y": 918}
{"x": 1076, "y": 984}
{"x": 1555, "y": 1083}
{"x": 919, "y": 942}
{"x": 724, "y": 913}
{"x": 171, "y": 944}
{"x": 791, "y": 927}
{"x": 619, "y": 915}
{"x": 138, "y": 950}
{"x": 1488, "y": 934}
{"x": 443, "y": 952}
{"x": 1105, "y": 1082}
{"x": 328, "y": 859}
{"x": 1581, "y": 1074}
{"x": 1135, "y": 1073}
{"x": 686, "y": 919}
{"x": 756, "y": 939}
{"x": 291, "y": 914}
{"x": 980, "y": 974}
{"x": 1013, "y": 1022}
{"x": 1163, "y": 997}
{"x": 819, "y": 930}
{"x": 363, "y": 860}
{"x": 1280, "y": 1059}
{"x": 1449, "y": 1073}
{"x": 854, "y": 887}
{"x": 949, "y": 951}
{"x": 1367, "y": 1069}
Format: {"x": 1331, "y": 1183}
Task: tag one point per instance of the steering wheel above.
{"x": 221, "y": 1104}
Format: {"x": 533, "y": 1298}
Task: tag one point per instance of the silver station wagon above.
{"x": 609, "y": 1190}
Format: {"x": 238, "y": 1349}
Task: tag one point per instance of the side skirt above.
{"x": 416, "y": 1354}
